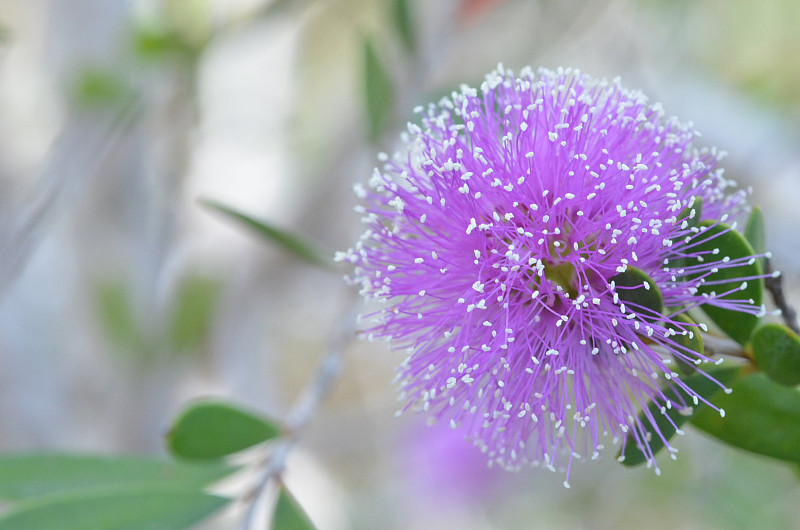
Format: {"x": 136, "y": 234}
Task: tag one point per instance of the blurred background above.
{"x": 122, "y": 297}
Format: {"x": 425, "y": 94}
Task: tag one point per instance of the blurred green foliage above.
{"x": 378, "y": 91}
{"x": 288, "y": 514}
{"x": 192, "y": 314}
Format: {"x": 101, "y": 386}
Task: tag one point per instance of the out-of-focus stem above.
{"x": 316, "y": 390}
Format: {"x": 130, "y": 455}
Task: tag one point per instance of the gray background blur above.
{"x": 121, "y": 298}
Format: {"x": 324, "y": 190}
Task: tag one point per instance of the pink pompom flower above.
{"x": 495, "y": 242}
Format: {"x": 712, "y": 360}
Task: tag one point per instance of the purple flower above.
{"x": 494, "y": 240}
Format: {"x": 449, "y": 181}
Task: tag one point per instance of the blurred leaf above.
{"x": 684, "y": 340}
{"x": 287, "y": 241}
{"x": 193, "y": 314}
{"x": 96, "y": 87}
{"x": 776, "y": 350}
{"x": 153, "y": 506}
{"x": 191, "y": 21}
{"x": 288, "y": 514}
{"x": 637, "y": 289}
{"x": 32, "y": 475}
{"x": 761, "y": 416}
{"x": 402, "y": 17}
{"x": 209, "y": 430}
{"x": 156, "y": 42}
{"x": 4, "y": 33}
{"x": 378, "y": 91}
{"x": 702, "y": 386}
{"x": 736, "y": 324}
{"x": 754, "y": 231}
{"x": 116, "y": 313}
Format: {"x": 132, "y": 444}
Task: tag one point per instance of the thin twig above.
{"x": 78, "y": 154}
{"x": 774, "y": 285}
{"x": 316, "y": 390}
{"x": 714, "y": 345}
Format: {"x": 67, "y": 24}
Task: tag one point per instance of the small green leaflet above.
{"x": 736, "y": 324}
{"x": 776, "y": 350}
{"x": 288, "y": 514}
{"x": 761, "y": 416}
{"x": 210, "y": 429}
{"x": 636, "y": 288}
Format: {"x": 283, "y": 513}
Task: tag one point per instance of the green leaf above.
{"x": 636, "y": 288}
{"x": 192, "y": 317}
{"x": 776, "y": 350}
{"x": 152, "y": 42}
{"x": 116, "y": 313}
{"x": 288, "y": 514}
{"x": 287, "y": 241}
{"x": 736, "y": 324}
{"x": 405, "y": 25}
{"x": 153, "y": 506}
{"x": 32, "y": 475}
{"x": 761, "y": 416}
{"x": 96, "y": 87}
{"x": 210, "y": 430}
{"x": 754, "y": 231}
{"x": 702, "y": 386}
{"x": 688, "y": 337}
{"x": 378, "y": 91}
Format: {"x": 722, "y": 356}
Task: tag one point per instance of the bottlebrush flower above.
{"x": 496, "y": 240}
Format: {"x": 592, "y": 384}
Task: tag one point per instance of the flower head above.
{"x": 496, "y": 239}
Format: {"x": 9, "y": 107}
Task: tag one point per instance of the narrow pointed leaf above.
{"x": 776, "y": 350}
{"x": 31, "y": 475}
{"x": 286, "y": 240}
{"x": 115, "y": 311}
{"x": 754, "y": 231}
{"x": 636, "y": 288}
{"x": 193, "y": 312}
{"x": 288, "y": 514}
{"x": 761, "y": 416}
{"x": 153, "y": 506}
{"x": 210, "y": 430}
{"x": 404, "y": 22}
{"x": 378, "y": 91}
{"x": 702, "y": 386}
{"x": 736, "y": 324}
